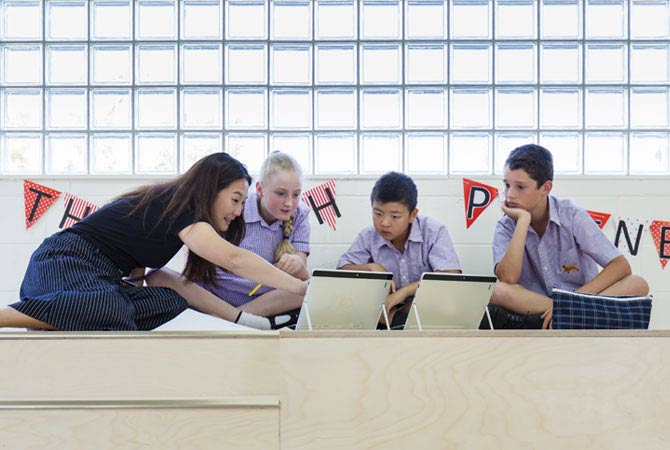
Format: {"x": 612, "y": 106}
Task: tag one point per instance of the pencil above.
{"x": 253, "y": 291}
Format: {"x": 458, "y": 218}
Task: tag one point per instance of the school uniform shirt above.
{"x": 565, "y": 257}
{"x": 262, "y": 239}
{"x": 428, "y": 248}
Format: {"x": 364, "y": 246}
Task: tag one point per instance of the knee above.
{"x": 294, "y": 301}
{"x": 638, "y": 285}
{"x": 501, "y": 293}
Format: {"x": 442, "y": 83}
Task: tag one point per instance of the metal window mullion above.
{"x": 538, "y": 75}
{"x": 447, "y": 40}
{"x": 494, "y": 86}
{"x": 583, "y": 85}
{"x": 179, "y": 6}
{"x": 44, "y": 89}
{"x": 2, "y": 113}
{"x": 312, "y": 148}
{"x": 268, "y": 80}
{"x": 224, "y": 42}
{"x": 359, "y": 138}
{"x": 88, "y": 91}
{"x": 133, "y": 93}
{"x": 404, "y": 51}
{"x": 446, "y": 129}
{"x": 628, "y": 82}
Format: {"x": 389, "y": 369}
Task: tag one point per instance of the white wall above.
{"x": 440, "y": 197}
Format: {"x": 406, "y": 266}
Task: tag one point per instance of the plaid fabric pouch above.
{"x": 577, "y": 311}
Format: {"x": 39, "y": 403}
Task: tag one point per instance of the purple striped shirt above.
{"x": 565, "y": 257}
{"x": 428, "y": 248}
{"x": 261, "y": 239}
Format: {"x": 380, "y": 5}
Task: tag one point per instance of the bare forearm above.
{"x": 272, "y": 302}
{"x": 205, "y": 242}
{"x": 196, "y": 296}
{"x": 400, "y": 295}
{"x": 616, "y": 270}
{"x": 509, "y": 268}
{"x": 409, "y": 290}
{"x": 250, "y": 266}
{"x": 366, "y": 267}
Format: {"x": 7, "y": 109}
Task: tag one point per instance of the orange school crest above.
{"x": 570, "y": 268}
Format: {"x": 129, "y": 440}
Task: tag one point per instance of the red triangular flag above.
{"x": 473, "y": 208}
{"x": 660, "y": 232}
{"x": 75, "y": 210}
{"x": 321, "y": 200}
{"x": 36, "y": 200}
{"x": 600, "y": 218}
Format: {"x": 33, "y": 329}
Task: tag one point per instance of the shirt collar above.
{"x": 252, "y": 214}
{"x": 414, "y": 235}
{"x": 554, "y": 215}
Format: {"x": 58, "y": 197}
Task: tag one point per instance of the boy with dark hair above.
{"x": 400, "y": 241}
{"x": 543, "y": 243}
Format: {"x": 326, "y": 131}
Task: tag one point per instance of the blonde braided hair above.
{"x": 285, "y": 247}
{"x": 275, "y": 162}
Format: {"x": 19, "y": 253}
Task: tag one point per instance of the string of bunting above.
{"x": 322, "y": 201}
{"x": 37, "y": 199}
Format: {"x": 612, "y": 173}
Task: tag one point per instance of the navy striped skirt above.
{"x": 73, "y": 286}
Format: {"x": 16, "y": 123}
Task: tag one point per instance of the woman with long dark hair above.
{"x": 75, "y": 279}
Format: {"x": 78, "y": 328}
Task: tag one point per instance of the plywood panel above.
{"x": 475, "y": 392}
{"x": 164, "y": 429}
{"x": 64, "y": 366}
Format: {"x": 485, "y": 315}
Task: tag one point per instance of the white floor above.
{"x": 191, "y": 320}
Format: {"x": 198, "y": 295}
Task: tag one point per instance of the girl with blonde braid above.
{"x": 277, "y": 229}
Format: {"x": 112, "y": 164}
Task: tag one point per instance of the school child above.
{"x": 75, "y": 279}
{"x": 278, "y": 231}
{"x": 544, "y": 242}
{"x": 400, "y": 241}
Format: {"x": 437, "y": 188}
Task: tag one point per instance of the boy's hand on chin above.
{"x": 514, "y": 213}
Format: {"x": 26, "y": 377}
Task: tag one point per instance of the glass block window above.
{"x": 346, "y": 86}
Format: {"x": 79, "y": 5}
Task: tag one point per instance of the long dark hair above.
{"x": 195, "y": 192}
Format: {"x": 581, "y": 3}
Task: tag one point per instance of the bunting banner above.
{"x": 36, "y": 200}
{"x": 321, "y": 199}
{"x": 75, "y": 210}
{"x": 600, "y": 218}
{"x": 478, "y": 197}
{"x": 631, "y": 231}
{"x": 660, "y": 233}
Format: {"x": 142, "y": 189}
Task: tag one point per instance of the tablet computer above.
{"x": 450, "y": 301}
{"x": 344, "y": 300}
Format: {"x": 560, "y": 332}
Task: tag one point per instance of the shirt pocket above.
{"x": 570, "y": 265}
